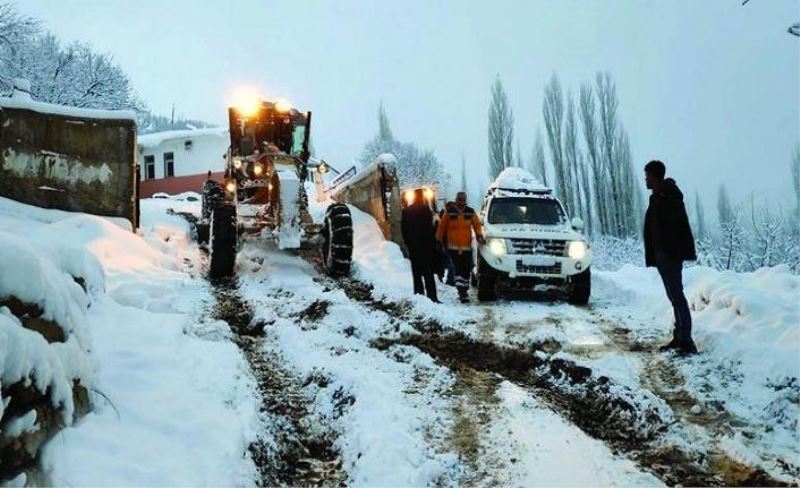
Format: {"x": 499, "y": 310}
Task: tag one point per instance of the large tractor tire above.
{"x": 213, "y": 196}
{"x": 223, "y": 241}
{"x": 487, "y": 281}
{"x": 581, "y": 288}
{"x": 337, "y": 251}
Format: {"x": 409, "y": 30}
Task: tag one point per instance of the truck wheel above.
{"x": 581, "y": 288}
{"x": 337, "y": 251}
{"x": 201, "y": 230}
{"x": 213, "y": 195}
{"x": 223, "y": 239}
{"x": 487, "y": 282}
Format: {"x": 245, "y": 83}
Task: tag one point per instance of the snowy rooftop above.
{"x": 157, "y": 138}
{"x": 517, "y": 179}
{"x": 21, "y": 100}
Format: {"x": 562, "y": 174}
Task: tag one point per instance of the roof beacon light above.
{"x": 246, "y": 100}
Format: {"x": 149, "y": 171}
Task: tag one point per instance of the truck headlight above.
{"x": 577, "y": 249}
{"x": 258, "y": 169}
{"x": 237, "y": 163}
{"x": 497, "y": 246}
{"x": 230, "y": 186}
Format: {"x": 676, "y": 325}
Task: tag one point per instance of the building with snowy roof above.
{"x": 177, "y": 161}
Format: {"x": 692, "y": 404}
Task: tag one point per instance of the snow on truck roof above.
{"x": 515, "y": 181}
{"x": 23, "y": 101}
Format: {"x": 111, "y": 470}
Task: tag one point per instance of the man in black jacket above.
{"x": 420, "y": 239}
{"x": 668, "y": 242}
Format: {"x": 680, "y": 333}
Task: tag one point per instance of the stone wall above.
{"x": 69, "y": 160}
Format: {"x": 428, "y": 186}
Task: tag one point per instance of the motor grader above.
{"x": 263, "y": 192}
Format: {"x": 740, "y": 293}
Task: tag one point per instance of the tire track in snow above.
{"x": 297, "y": 455}
{"x": 592, "y": 404}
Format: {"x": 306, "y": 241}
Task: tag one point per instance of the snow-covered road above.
{"x": 285, "y": 376}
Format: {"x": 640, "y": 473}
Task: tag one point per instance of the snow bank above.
{"x": 377, "y": 260}
{"x": 45, "y": 342}
{"x": 174, "y": 408}
{"x": 750, "y": 318}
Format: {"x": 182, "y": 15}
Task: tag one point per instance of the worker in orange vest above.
{"x": 457, "y": 226}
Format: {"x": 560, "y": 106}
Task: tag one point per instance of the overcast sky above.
{"x": 709, "y": 87}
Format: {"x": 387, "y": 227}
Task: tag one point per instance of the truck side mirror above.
{"x": 577, "y": 224}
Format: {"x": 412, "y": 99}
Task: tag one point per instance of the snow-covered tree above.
{"x": 700, "y": 217}
{"x": 573, "y": 161}
{"x": 500, "y": 130}
{"x": 764, "y": 249}
{"x": 538, "y": 161}
{"x": 553, "y": 113}
{"x": 16, "y": 32}
{"x": 731, "y": 235}
{"x": 72, "y": 75}
{"x": 149, "y": 122}
{"x": 591, "y": 140}
{"x": 415, "y": 166}
{"x": 607, "y": 111}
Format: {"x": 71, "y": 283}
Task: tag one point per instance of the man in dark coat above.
{"x": 420, "y": 239}
{"x": 668, "y": 242}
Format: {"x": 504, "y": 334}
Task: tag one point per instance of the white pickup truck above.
{"x": 530, "y": 242}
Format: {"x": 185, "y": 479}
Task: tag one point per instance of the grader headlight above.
{"x": 428, "y": 194}
{"x": 408, "y": 196}
{"x": 258, "y": 169}
{"x": 230, "y": 186}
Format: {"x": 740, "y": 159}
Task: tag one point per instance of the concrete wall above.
{"x": 69, "y": 160}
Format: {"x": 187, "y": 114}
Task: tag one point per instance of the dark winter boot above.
{"x": 673, "y": 344}
{"x": 687, "y": 348}
{"x": 462, "y": 295}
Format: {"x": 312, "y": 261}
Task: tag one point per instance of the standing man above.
{"x": 668, "y": 242}
{"x": 418, "y": 234}
{"x": 458, "y": 224}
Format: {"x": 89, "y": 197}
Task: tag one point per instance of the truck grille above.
{"x": 547, "y": 247}
{"x": 554, "y": 269}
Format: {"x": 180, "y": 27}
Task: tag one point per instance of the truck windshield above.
{"x": 541, "y": 211}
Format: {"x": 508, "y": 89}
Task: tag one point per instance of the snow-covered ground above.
{"x": 173, "y": 404}
{"x": 381, "y": 387}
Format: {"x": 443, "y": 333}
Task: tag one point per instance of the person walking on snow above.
{"x": 457, "y": 225}
{"x": 418, "y": 234}
{"x": 668, "y": 242}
